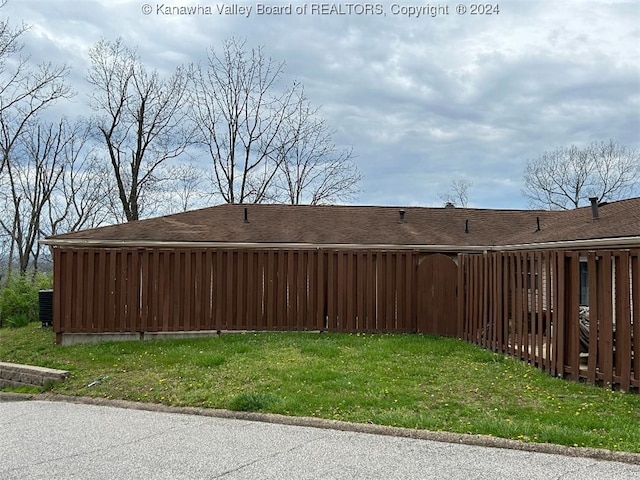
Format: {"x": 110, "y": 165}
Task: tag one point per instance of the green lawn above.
{"x": 400, "y": 380}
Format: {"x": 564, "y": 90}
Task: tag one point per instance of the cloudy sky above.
{"x": 423, "y": 100}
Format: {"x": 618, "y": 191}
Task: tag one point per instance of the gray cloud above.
{"x": 422, "y": 101}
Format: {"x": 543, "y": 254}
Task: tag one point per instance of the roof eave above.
{"x": 611, "y": 242}
{"x": 90, "y": 243}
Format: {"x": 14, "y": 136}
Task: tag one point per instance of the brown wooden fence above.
{"x": 528, "y": 304}
{"x": 131, "y": 290}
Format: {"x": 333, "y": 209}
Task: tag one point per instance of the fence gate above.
{"x": 437, "y": 295}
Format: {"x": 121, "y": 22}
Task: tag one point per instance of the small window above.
{"x": 584, "y": 283}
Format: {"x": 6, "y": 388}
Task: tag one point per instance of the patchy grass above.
{"x": 400, "y": 380}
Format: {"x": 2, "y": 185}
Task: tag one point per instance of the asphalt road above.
{"x": 46, "y": 440}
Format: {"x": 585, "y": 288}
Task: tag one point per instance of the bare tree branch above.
{"x": 239, "y": 113}
{"x": 34, "y": 170}
{"x": 141, "y": 118}
{"x": 78, "y": 200}
{"x": 458, "y": 194}
{"x": 565, "y": 178}
{"x": 184, "y": 188}
{"x": 265, "y": 144}
{"x": 312, "y": 169}
{"x": 25, "y": 91}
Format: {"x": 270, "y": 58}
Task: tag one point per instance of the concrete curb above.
{"x": 446, "y": 437}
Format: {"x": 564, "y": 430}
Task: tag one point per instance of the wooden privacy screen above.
{"x": 100, "y": 290}
{"x": 528, "y": 304}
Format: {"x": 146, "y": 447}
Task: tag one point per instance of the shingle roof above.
{"x": 369, "y": 225}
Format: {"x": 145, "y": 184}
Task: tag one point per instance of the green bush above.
{"x": 16, "y": 321}
{"x": 19, "y": 299}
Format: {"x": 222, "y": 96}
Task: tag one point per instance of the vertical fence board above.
{"x": 58, "y": 291}
{"x": 301, "y": 289}
{"x": 462, "y": 296}
{"x": 466, "y": 301}
{"x": 527, "y": 314}
{"x": 312, "y": 312}
{"x": 122, "y": 279}
{"x": 164, "y": 286}
{"x": 635, "y": 293}
{"x": 88, "y": 312}
{"x": 540, "y": 310}
{"x": 519, "y": 306}
{"x": 340, "y": 291}
{"x": 592, "y": 365}
{"x": 410, "y": 293}
{"x": 484, "y": 305}
{"x": 548, "y": 313}
{"x": 473, "y": 295}
{"x": 157, "y": 290}
{"x": 187, "y": 286}
{"x": 281, "y": 290}
{"x": 372, "y": 291}
{"x": 572, "y": 301}
{"x": 78, "y": 289}
{"x": 512, "y": 292}
{"x": 494, "y": 306}
{"x": 390, "y": 292}
{"x": 230, "y": 263}
{"x": 477, "y": 303}
{"x": 69, "y": 319}
{"x": 270, "y": 279}
{"x": 253, "y": 293}
{"x": 146, "y": 288}
{"x": 198, "y": 260}
{"x": 250, "y": 294}
{"x": 134, "y": 291}
{"x": 110, "y": 323}
{"x": 350, "y": 293}
{"x": 241, "y": 291}
{"x": 322, "y": 290}
{"x": 623, "y": 320}
{"x": 331, "y": 284}
{"x": 75, "y": 323}
{"x": 361, "y": 282}
{"x": 606, "y": 318}
{"x": 504, "y": 266}
{"x": 559, "y": 342}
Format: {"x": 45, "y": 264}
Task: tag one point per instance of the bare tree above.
{"x": 78, "y": 200}
{"x": 567, "y": 177}
{"x": 616, "y": 171}
{"x": 25, "y": 90}
{"x": 33, "y": 171}
{"x": 311, "y": 168}
{"x": 52, "y": 185}
{"x": 239, "y": 112}
{"x": 184, "y": 188}
{"x": 458, "y": 194}
{"x": 140, "y": 118}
